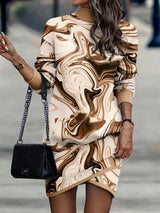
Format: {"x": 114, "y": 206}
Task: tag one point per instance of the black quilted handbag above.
{"x": 34, "y": 161}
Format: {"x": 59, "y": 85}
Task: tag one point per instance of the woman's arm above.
{"x": 125, "y": 144}
{"x": 126, "y": 110}
{"x": 8, "y": 51}
{"x": 124, "y": 89}
{"x": 45, "y": 63}
{"x": 30, "y": 75}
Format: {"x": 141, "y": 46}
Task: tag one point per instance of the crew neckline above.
{"x": 83, "y": 14}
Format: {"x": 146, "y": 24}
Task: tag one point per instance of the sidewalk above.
{"x": 138, "y": 189}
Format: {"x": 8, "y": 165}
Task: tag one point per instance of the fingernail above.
{"x": 3, "y": 42}
{"x": 7, "y": 48}
{"x": 2, "y": 33}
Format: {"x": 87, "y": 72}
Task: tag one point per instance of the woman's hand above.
{"x": 125, "y": 144}
{"x": 7, "y": 50}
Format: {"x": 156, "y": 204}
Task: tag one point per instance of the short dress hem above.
{"x": 88, "y": 179}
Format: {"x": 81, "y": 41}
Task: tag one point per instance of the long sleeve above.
{"x": 45, "y": 62}
{"x": 124, "y": 80}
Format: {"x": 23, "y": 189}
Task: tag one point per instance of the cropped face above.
{"x": 80, "y": 2}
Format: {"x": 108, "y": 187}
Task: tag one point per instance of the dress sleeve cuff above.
{"x": 124, "y": 96}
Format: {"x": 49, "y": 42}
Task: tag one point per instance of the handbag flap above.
{"x": 27, "y": 159}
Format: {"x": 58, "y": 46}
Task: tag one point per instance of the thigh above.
{"x": 64, "y": 202}
{"x": 98, "y": 200}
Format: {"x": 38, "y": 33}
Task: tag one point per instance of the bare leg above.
{"x": 98, "y": 200}
{"x": 64, "y": 202}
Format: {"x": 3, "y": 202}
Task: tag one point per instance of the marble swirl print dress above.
{"x": 85, "y": 91}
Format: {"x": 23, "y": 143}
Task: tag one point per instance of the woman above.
{"x": 89, "y": 60}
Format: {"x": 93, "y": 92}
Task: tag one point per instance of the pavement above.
{"x": 139, "y": 183}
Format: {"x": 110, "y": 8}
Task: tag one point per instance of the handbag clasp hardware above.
{"x": 25, "y": 172}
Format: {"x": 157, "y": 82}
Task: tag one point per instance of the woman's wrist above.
{"x": 16, "y": 59}
{"x": 128, "y": 120}
{"x": 30, "y": 75}
{"x": 127, "y": 124}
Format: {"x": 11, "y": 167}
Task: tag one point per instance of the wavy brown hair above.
{"x": 107, "y": 15}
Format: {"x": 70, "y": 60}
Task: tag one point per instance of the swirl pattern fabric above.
{"x": 85, "y": 89}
